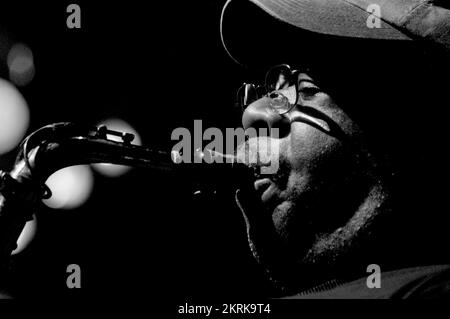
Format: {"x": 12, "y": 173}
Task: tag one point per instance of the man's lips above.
{"x": 265, "y": 188}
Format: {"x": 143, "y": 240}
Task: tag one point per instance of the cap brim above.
{"x": 246, "y": 30}
{"x": 347, "y": 18}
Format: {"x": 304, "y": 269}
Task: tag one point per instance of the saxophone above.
{"x": 60, "y": 145}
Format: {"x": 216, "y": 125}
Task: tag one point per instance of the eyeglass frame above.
{"x": 293, "y": 73}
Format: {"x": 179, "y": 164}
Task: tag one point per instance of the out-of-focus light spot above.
{"x": 70, "y": 186}
{"x": 14, "y": 116}
{"x": 112, "y": 170}
{"x": 26, "y": 236}
{"x": 21, "y": 64}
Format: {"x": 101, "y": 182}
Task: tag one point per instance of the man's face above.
{"x": 316, "y": 189}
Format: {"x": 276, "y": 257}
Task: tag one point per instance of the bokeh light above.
{"x": 26, "y": 236}
{"x": 70, "y": 186}
{"x": 21, "y": 64}
{"x": 14, "y": 116}
{"x": 112, "y": 170}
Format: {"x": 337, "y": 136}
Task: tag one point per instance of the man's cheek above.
{"x": 302, "y": 148}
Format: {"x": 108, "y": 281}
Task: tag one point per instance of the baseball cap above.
{"x": 400, "y": 20}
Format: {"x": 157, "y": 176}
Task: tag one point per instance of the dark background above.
{"x": 160, "y": 66}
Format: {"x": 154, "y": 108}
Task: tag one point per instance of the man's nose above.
{"x": 259, "y": 114}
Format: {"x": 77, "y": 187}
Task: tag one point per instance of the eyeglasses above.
{"x": 281, "y": 87}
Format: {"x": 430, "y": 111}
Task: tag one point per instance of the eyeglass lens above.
{"x": 279, "y": 86}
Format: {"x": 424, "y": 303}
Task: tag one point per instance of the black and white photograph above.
{"x": 226, "y": 158}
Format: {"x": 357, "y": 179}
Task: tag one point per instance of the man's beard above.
{"x": 316, "y": 257}
{"x": 320, "y": 228}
